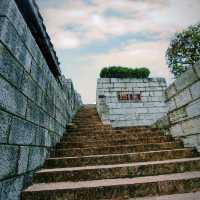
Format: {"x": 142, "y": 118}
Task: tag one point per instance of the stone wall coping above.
{"x": 30, "y": 12}
{"x": 112, "y": 80}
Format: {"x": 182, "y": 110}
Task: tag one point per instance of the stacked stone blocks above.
{"x": 129, "y": 113}
{"x": 34, "y": 106}
{"x": 183, "y": 97}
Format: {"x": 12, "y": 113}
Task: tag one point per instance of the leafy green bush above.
{"x": 124, "y": 72}
{"x": 184, "y": 50}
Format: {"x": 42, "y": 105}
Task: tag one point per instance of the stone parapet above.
{"x": 131, "y": 102}
{"x": 183, "y": 97}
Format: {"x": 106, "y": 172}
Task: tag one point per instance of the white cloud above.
{"x": 162, "y": 16}
{"x": 73, "y": 24}
{"x": 66, "y": 40}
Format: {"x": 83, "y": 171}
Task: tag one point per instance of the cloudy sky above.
{"x": 91, "y": 34}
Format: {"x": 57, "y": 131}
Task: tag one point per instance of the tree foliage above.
{"x": 124, "y": 72}
{"x": 184, "y": 50}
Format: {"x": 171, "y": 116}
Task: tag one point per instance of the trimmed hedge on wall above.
{"x": 124, "y": 72}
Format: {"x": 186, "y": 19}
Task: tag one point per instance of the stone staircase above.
{"x": 94, "y": 161}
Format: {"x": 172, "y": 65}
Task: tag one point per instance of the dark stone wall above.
{"x": 183, "y": 97}
{"x": 34, "y": 106}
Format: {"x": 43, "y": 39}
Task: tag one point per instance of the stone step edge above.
{"x": 183, "y": 196}
{"x": 110, "y": 136}
{"x": 182, "y": 160}
{"x": 70, "y": 145}
{"x": 121, "y": 145}
{"x": 108, "y": 132}
{"x": 110, "y": 128}
{"x": 114, "y": 140}
{"x": 103, "y": 145}
{"x": 121, "y": 154}
{"x": 116, "y": 171}
{"x": 59, "y": 186}
{"x": 113, "y": 131}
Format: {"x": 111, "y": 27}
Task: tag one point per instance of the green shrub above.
{"x": 124, "y": 72}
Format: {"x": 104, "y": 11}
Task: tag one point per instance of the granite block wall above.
{"x": 35, "y": 107}
{"x": 131, "y": 102}
{"x": 183, "y": 97}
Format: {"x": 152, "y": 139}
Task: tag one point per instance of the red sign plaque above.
{"x": 130, "y": 97}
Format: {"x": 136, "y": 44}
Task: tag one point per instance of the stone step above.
{"x": 93, "y": 135}
{"x": 85, "y": 124}
{"x": 85, "y": 119}
{"x": 106, "y": 131}
{"x": 115, "y": 188}
{"x": 184, "y": 196}
{"x": 136, "y": 128}
{"x": 88, "y": 120}
{"x": 90, "y": 133}
{"x": 88, "y": 129}
{"x": 75, "y": 128}
{"x": 116, "y": 149}
{"x": 91, "y": 115}
{"x": 117, "y": 171}
{"x": 86, "y": 115}
{"x": 103, "y": 143}
{"x": 60, "y": 162}
{"x": 105, "y": 127}
{"x": 91, "y": 127}
{"x": 109, "y": 134}
{"x": 139, "y": 130}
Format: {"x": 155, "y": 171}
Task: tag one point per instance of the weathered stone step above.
{"x": 86, "y": 117}
{"x": 112, "y": 138}
{"x": 90, "y": 114}
{"x": 105, "y": 127}
{"x": 86, "y": 114}
{"x": 135, "y": 127}
{"x": 116, "y": 149}
{"x": 109, "y": 136}
{"x": 115, "y": 188}
{"x": 118, "y": 171}
{"x": 87, "y": 120}
{"x": 91, "y": 126}
{"x": 90, "y": 132}
{"x": 101, "y": 143}
{"x": 89, "y": 129}
{"x": 105, "y": 133}
{"x": 183, "y": 196}
{"x": 60, "y": 162}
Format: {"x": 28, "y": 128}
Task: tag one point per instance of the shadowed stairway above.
{"x": 94, "y": 161}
